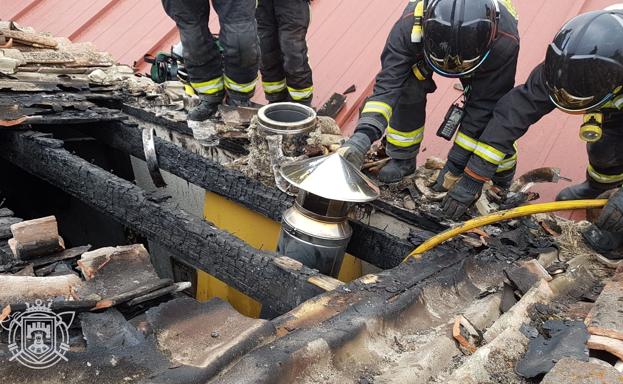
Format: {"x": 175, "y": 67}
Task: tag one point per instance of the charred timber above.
{"x": 369, "y": 244}
{"x": 277, "y": 285}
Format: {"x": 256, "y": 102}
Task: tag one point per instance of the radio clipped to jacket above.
{"x": 451, "y": 122}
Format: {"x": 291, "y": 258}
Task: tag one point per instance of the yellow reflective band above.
{"x": 242, "y": 88}
{"x": 618, "y": 102}
{"x": 301, "y": 94}
{"x": 416, "y": 31}
{"x": 489, "y": 153}
{"x": 465, "y": 142}
{"x": 274, "y": 86}
{"x": 405, "y": 139}
{"x": 507, "y": 164}
{"x": 602, "y": 178}
{"x": 209, "y": 87}
{"x": 378, "y": 107}
{"x": 418, "y": 74}
{"x": 510, "y": 7}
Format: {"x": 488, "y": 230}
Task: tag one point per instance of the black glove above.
{"x": 604, "y": 242}
{"x": 354, "y": 149}
{"x": 611, "y": 217}
{"x": 464, "y": 193}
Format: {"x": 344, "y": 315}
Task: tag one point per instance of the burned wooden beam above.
{"x": 369, "y": 244}
{"x": 193, "y": 240}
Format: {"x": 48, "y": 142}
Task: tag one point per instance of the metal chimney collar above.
{"x": 287, "y": 119}
{"x": 331, "y": 177}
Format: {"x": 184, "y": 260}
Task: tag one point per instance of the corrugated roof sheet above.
{"x": 346, "y": 38}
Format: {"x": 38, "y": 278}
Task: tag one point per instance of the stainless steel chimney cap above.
{"x": 331, "y": 177}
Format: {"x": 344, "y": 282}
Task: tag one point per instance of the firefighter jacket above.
{"x": 402, "y": 58}
{"x": 514, "y": 114}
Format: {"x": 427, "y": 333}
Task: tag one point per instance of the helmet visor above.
{"x": 582, "y": 82}
{"x": 457, "y": 54}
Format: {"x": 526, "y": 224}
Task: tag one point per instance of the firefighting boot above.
{"x": 609, "y": 244}
{"x": 396, "y": 170}
{"x": 589, "y": 189}
{"x": 204, "y": 110}
{"x": 240, "y": 101}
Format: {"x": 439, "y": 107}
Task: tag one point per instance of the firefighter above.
{"x": 282, "y": 27}
{"x": 474, "y": 40}
{"x": 213, "y": 74}
{"x": 582, "y": 74}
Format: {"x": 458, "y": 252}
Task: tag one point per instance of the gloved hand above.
{"x": 464, "y": 193}
{"x": 447, "y": 178}
{"x": 354, "y": 149}
{"x": 611, "y": 217}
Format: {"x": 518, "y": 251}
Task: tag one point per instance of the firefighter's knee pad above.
{"x": 241, "y": 45}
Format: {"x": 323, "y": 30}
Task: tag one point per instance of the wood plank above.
{"x": 191, "y": 239}
{"x": 606, "y": 319}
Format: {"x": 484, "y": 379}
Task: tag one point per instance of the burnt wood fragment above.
{"x": 333, "y": 106}
{"x": 193, "y": 240}
{"x": 70, "y": 253}
{"x": 368, "y": 243}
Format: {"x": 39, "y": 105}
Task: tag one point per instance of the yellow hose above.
{"x": 481, "y": 221}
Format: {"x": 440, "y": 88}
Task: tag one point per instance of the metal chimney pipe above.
{"x": 315, "y": 231}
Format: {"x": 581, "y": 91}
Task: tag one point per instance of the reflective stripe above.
{"x": 209, "y": 87}
{"x": 465, "y": 142}
{"x": 242, "y": 88}
{"x": 508, "y": 164}
{"x": 416, "y": 31}
{"x": 418, "y": 74}
{"x": 405, "y": 139}
{"x": 378, "y": 107}
{"x": 274, "y": 86}
{"x": 489, "y": 153}
{"x": 510, "y": 7}
{"x": 604, "y": 179}
{"x": 301, "y": 94}
{"x": 618, "y": 102}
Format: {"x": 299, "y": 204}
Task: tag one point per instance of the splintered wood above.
{"x": 35, "y": 238}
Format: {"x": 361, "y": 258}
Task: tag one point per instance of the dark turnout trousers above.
{"x": 210, "y": 71}
{"x": 282, "y": 28}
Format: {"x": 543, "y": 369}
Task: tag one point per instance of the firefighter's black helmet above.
{"x": 584, "y": 63}
{"x": 458, "y": 34}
